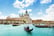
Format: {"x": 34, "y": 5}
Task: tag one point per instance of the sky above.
{"x": 37, "y": 9}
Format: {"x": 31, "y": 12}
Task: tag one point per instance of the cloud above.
{"x": 49, "y": 13}
{"x": 29, "y": 10}
{"x": 45, "y": 1}
{"x": 23, "y": 11}
{"x": 2, "y": 16}
{"x": 30, "y": 14}
{"x": 23, "y": 3}
{"x": 34, "y": 18}
{"x": 48, "y": 16}
{"x": 40, "y": 13}
{"x": 12, "y": 15}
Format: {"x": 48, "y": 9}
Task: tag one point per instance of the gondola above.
{"x": 27, "y": 30}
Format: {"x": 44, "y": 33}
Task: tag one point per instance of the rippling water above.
{"x": 9, "y": 30}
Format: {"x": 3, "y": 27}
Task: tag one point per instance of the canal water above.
{"x": 9, "y": 30}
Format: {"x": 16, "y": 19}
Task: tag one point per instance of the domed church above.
{"x": 23, "y": 19}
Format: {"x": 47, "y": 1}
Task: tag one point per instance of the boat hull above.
{"x": 42, "y": 26}
{"x": 15, "y": 24}
{"x": 29, "y": 30}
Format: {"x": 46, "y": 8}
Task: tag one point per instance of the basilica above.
{"x": 24, "y": 18}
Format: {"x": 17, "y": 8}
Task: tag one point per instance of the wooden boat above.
{"x": 15, "y": 24}
{"x": 28, "y": 30}
{"x": 41, "y": 26}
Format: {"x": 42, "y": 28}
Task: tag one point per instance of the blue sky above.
{"x": 38, "y": 9}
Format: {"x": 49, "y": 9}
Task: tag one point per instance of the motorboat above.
{"x": 27, "y": 29}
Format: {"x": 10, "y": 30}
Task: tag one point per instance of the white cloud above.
{"x": 23, "y": 3}
{"x": 49, "y": 14}
{"x": 45, "y": 1}
{"x": 2, "y": 16}
{"x": 35, "y": 18}
{"x": 39, "y": 13}
{"x": 30, "y": 14}
{"x": 23, "y": 11}
{"x": 29, "y": 10}
{"x": 12, "y": 15}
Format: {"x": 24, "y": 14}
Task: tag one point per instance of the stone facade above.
{"x": 21, "y": 20}
{"x": 49, "y": 23}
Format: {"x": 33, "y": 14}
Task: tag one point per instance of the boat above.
{"x": 40, "y": 26}
{"x": 15, "y": 24}
{"x": 27, "y": 29}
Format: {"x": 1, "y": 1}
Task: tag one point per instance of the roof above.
{"x": 37, "y": 20}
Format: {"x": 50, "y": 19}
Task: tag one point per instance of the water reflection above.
{"x": 29, "y": 33}
{"x": 53, "y": 31}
